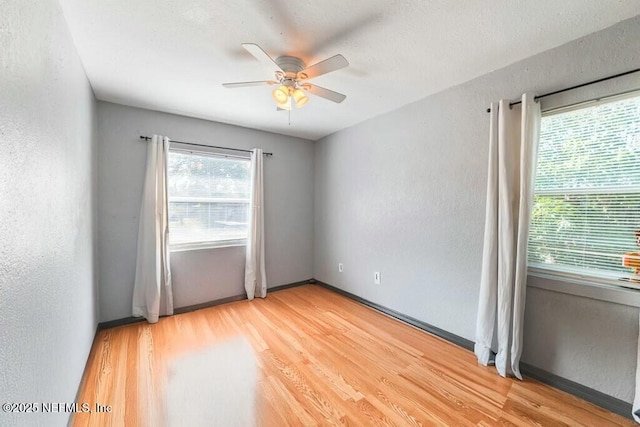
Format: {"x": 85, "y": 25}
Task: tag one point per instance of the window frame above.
{"x": 211, "y": 244}
{"x": 576, "y": 283}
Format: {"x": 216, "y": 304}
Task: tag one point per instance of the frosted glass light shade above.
{"x": 284, "y": 105}
{"x": 300, "y": 97}
{"x": 281, "y": 94}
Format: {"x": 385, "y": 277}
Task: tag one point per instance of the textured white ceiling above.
{"x": 173, "y": 56}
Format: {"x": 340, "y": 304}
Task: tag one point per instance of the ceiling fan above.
{"x": 291, "y": 76}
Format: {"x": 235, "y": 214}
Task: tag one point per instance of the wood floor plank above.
{"x": 320, "y": 359}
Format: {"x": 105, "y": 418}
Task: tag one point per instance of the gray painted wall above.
{"x": 204, "y": 275}
{"x": 404, "y": 194}
{"x": 48, "y": 280}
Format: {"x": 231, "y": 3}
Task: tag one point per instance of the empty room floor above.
{"x": 306, "y": 356}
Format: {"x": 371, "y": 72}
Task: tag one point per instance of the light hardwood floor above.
{"x": 322, "y": 359}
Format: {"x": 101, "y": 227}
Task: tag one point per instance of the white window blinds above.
{"x": 587, "y": 192}
{"x": 208, "y": 198}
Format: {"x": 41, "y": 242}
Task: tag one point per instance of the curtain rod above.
{"x": 147, "y": 138}
{"x": 511, "y": 104}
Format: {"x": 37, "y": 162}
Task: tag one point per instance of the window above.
{"x": 587, "y": 193}
{"x": 208, "y": 199}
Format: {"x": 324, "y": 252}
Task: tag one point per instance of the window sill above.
{"x": 183, "y": 247}
{"x": 588, "y": 287}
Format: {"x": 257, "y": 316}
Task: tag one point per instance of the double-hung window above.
{"x": 586, "y": 209}
{"x": 208, "y": 199}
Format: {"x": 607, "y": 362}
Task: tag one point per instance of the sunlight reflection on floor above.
{"x": 213, "y": 387}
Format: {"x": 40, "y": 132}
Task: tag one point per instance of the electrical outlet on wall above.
{"x": 376, "y": 277}
{"x": 340, "y": 267}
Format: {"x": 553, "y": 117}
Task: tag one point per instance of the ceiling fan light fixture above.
{"x": 281, "y": 95}
{"x": 284, "y": 105}
{"x": 291, "y": 75}
{"x": 300, "y": 98}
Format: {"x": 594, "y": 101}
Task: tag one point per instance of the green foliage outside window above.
{"x": 587, "y": 192}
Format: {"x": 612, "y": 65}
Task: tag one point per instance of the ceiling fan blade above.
{"x": 324, "y": 93}
{"x": 323, "y": 67}
{"x": 262, "y": 56}
{"x": 247, "y": 84}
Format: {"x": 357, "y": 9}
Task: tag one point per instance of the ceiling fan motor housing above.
{"x": 290, "y": 65}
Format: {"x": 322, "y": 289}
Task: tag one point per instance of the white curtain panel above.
{"x": 636, "y": 400}
{"x": 513, "y": 147}
{"x": 152, "y": 291}
{"x": 255, "y": 278}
